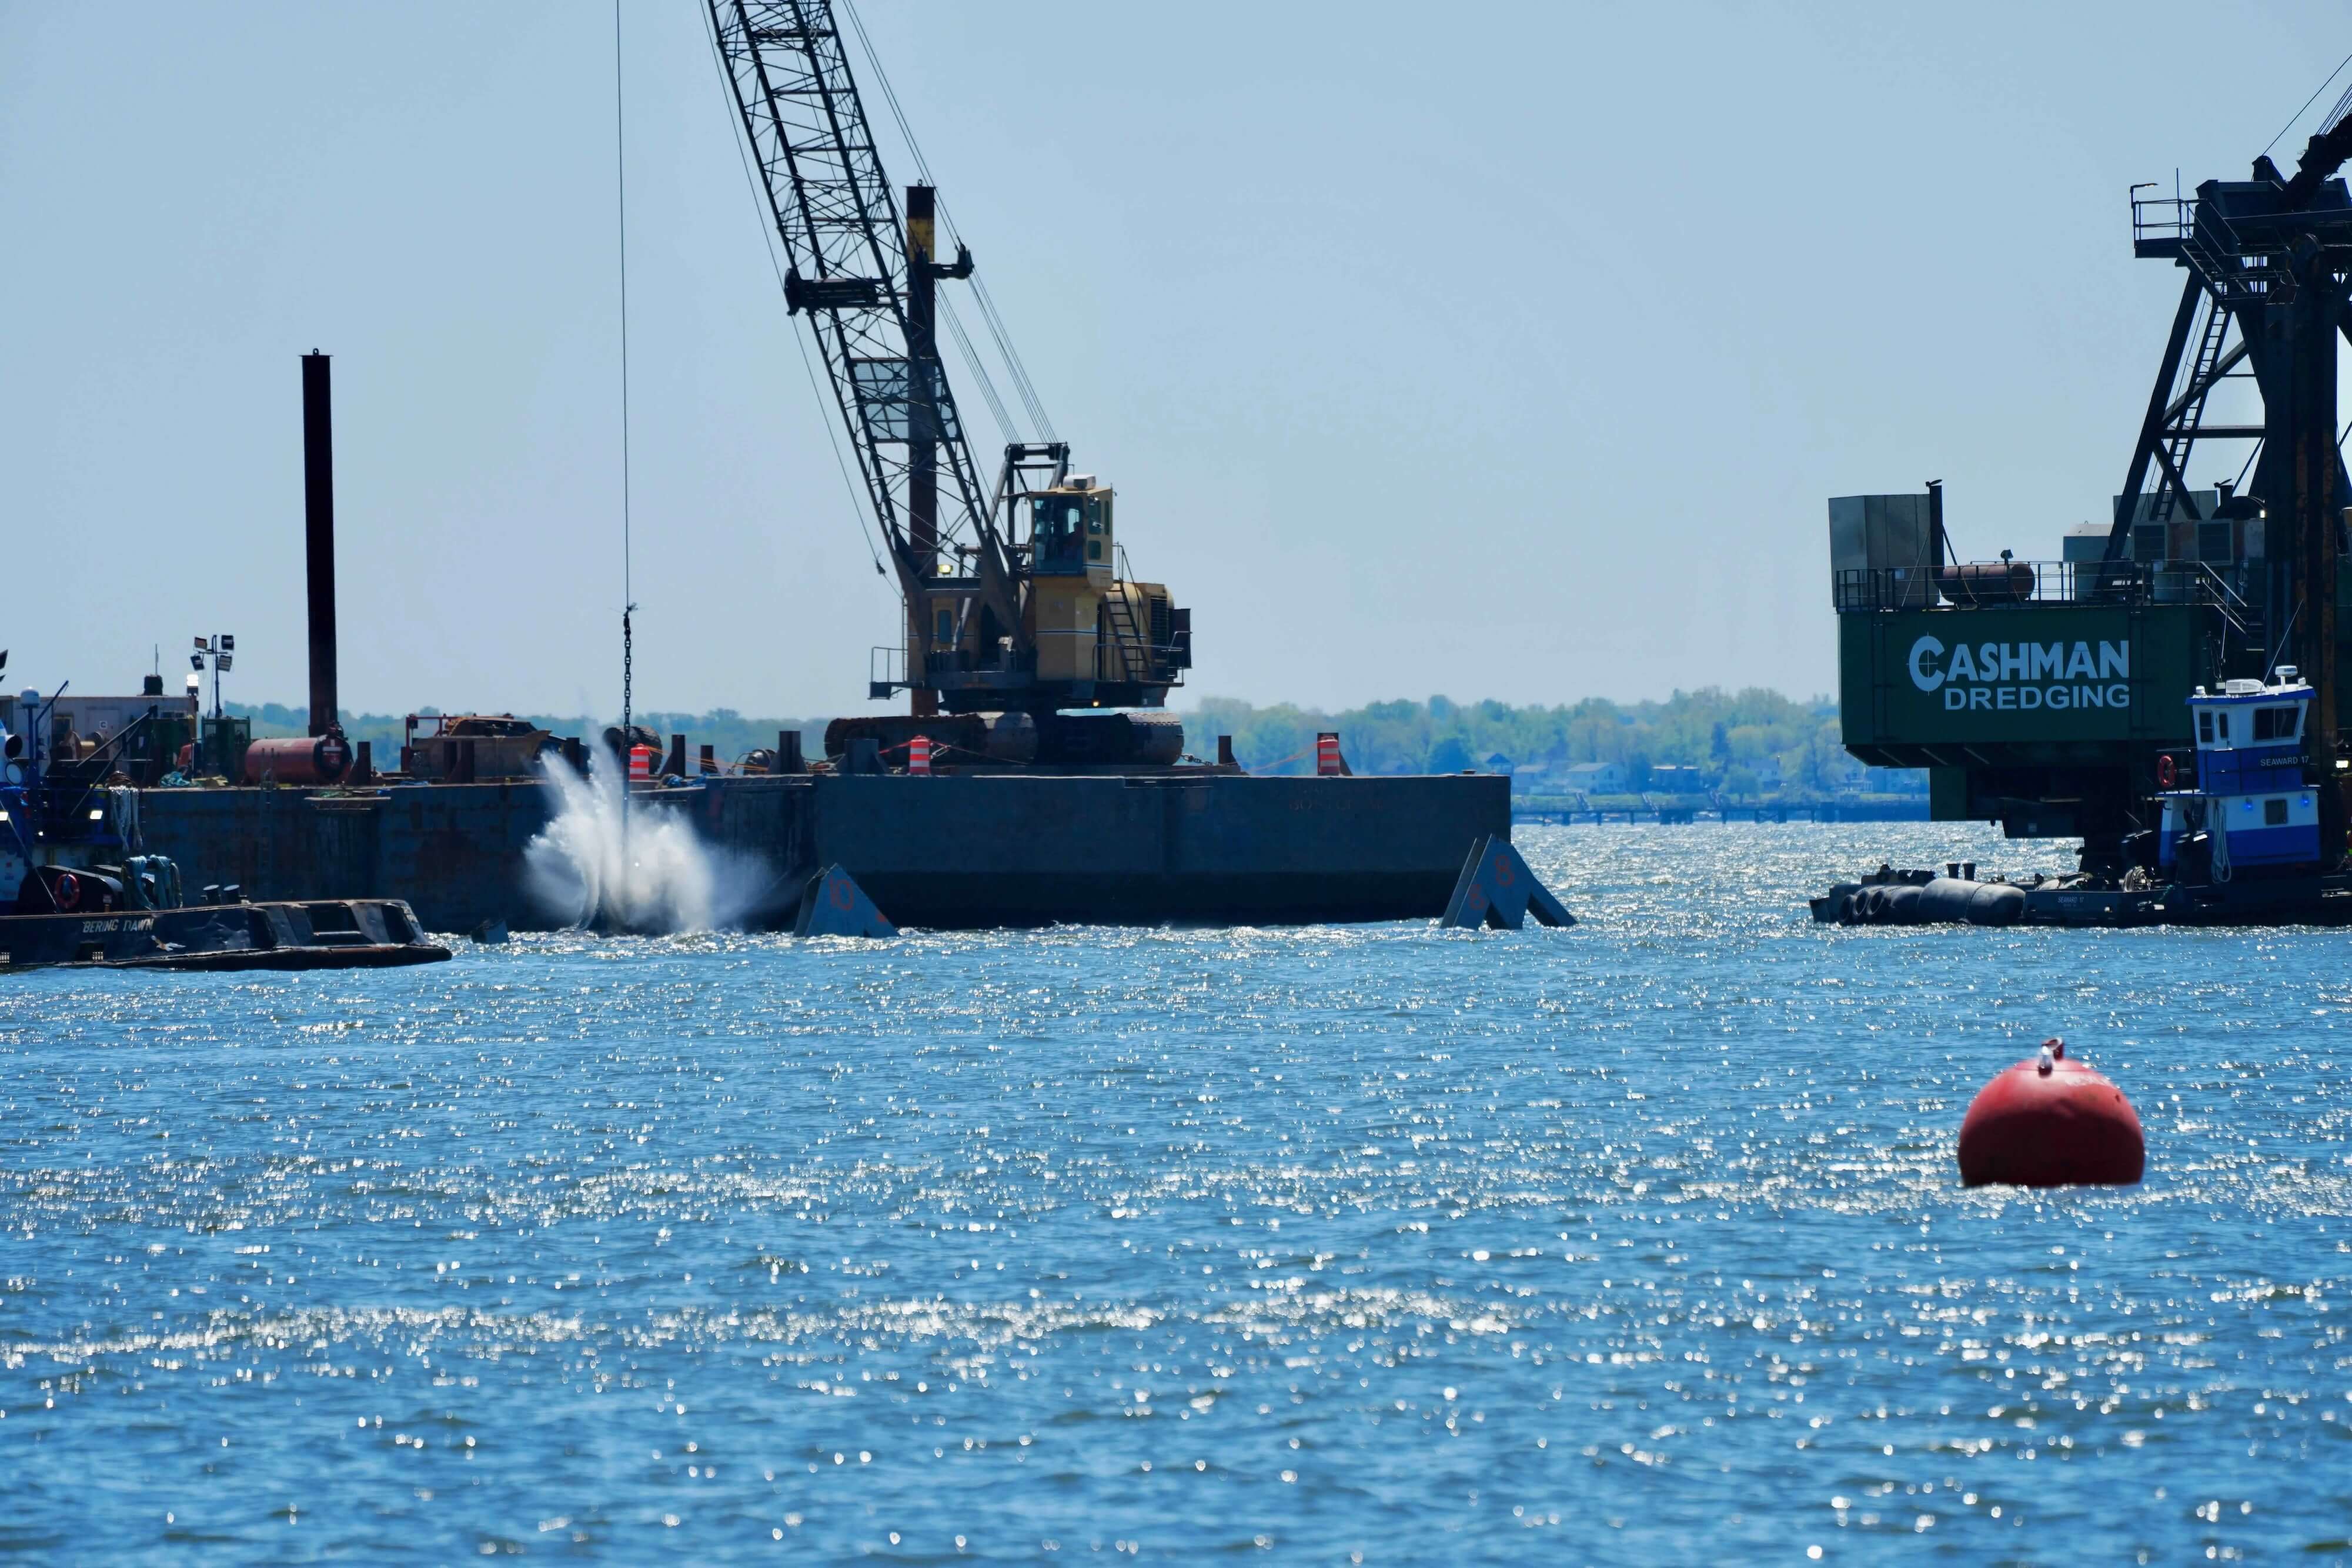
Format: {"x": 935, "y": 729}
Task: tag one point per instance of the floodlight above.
{"x": 195, "y": 683}
{"x": 202, "y": 643}
{"x": 195, "y": 662}
{"x": 223, "y": 661}
{"x": 227, "y": 642}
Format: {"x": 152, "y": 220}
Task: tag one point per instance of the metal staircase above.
{"x": 2181, "y": 434}
{"x": 1135, "y": 649}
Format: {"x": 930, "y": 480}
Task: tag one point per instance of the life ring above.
{"x": 66, "y": 891}
{"x": 2168, "y": 772}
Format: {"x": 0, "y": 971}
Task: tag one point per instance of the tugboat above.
{"x": 2237, "y": 840}
{"x": 2245, "y": 814}
{"x": 77, "y": 891}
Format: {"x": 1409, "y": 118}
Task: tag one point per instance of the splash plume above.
{"x": 601, "y": 862}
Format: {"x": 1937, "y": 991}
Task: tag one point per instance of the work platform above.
{"x": 946, "y": 851}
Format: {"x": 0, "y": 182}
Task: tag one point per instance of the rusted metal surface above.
{"x": 473, "y": 747}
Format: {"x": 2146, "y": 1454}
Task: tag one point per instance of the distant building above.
{"x": 1677, "y": 780}
{"x": 1592, "y": 779}
{"x": 1496, "y": 762}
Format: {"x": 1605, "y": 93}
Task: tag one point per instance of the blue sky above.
{"x": 1495, "y": 350}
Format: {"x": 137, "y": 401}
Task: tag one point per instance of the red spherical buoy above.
{"x": 2049, "y": 1121}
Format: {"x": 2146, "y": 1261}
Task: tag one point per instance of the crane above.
{"x": 1017, "y": 600}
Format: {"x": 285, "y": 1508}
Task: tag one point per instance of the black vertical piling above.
{"x": 319, "y": 535}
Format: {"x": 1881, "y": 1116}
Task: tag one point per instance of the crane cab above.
{"x": 1102, "y": 640}
{"x": 1070, "y": 530}
{"x": 2248, "y": 804}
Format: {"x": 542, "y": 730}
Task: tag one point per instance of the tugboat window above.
{"x": 2221, "y": 725}
{"x": 2274, "y": 813}
{"x": 2205, "y": 728}
{"x": 2274, "y": 723}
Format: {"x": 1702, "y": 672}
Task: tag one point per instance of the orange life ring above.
{"x": 66, "y": 891}
{"x": 2168, "y": 772}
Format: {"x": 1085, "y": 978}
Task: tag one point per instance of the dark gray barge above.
{"x": 945, "y": 851}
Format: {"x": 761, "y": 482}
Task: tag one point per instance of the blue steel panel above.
{"x": 2273, "y": 846}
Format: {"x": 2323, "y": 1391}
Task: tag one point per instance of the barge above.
{"x": 947, "y": 851}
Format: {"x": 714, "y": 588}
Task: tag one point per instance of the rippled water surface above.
{"x": 1637, "y": 1241}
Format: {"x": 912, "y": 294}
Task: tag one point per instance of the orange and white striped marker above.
{"x": 919, "y": 756}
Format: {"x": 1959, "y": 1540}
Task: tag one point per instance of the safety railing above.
{"x": 949, "y": 661}
{"x": 1991, "y": 584}
{"x": 2160, "y": 219}
{"x": 2235, "y": 270}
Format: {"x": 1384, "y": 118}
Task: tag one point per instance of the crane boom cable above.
{"x": 2307, "y": 102}
{"x": 1022, "y": 385}
{"x": 971, "y": 356}
{"x": 1003, "y": 337}
{"x": 862, "y": 264}
{"x": 790, "y": 73}
{"x": 825, "y": 413}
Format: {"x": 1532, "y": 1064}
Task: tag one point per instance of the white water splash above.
{"x": 603, "y": 862}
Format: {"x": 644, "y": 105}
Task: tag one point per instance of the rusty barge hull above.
{"x": 945, "y": 852}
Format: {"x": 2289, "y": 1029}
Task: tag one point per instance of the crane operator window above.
{"x": 1067, "y": 531}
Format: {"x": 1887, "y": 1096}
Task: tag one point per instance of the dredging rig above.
{"x": 2061, "y": 699}
{"x": 1022, "y": 622}
{"x": 1036, "y": 777}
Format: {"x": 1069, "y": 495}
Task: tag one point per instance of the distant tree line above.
{"x": 1722, "y": 734}
{"x": 1737, "y": 739}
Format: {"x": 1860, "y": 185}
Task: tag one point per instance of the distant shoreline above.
{"x": 1747, "y": 745}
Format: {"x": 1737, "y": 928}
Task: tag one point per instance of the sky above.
{"x": 1495, "y": 350}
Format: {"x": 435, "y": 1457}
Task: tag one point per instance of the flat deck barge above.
{"x": 945, "y": 851}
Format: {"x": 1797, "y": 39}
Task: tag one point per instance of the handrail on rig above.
{"x": 2053, "y": 583}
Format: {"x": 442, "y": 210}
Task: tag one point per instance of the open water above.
{"x": 1641, "y": 1241}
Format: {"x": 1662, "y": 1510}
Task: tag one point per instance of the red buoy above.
{"x": 2049, "y": 1121}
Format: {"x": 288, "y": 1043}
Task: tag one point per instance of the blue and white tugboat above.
{"x": 2239, "y": 830}
{"x": 76, "y": 891}
{"x": 2236, "y": 841}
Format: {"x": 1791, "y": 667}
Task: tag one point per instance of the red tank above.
{"x": 2050, "y": 1121}
{"x": 321, "y": 759}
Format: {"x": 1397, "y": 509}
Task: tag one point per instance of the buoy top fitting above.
{"x": 2049, "y": 1121}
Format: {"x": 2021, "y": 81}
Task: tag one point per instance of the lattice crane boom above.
{"x": 863, "y": 275}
